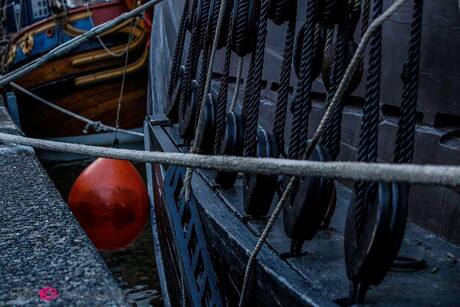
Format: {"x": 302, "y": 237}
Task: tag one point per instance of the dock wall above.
{"x": 46, "y": 256}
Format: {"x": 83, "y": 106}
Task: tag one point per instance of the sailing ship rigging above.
{"x": 277, "y": 114}
{"x": 270, "y": 80}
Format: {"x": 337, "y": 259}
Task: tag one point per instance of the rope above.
{"x": 247, "y": 87}
{"x": 101, "y": 42}
{"x": 200, "y": 125}
{"x": 381, "y": 172}
{"x": 306, "y": 93}
{"x": 302, "y": 99}
{"x": 122, "y": 86}
{"x": 74, "y": 42}
{"x": 252, "y": 115}
{"x": 329, "y": 40}
{"x": 239, "y": 75}
{"x": 179, "y": 50}
{"x": 186, "y": 85}
{"x": 208, "y": 41}
{"x": 221, "y": 105}
{"x": 96, "y": 125}
{"x": 404, "y": 151}
{"x": 283, "y": 93}
{"x": 193, "y": 55}
{"x": 368, "y": 140}
{"x": 338, "y": 94}
{"x": 365, "y": 16}
{"x": 332, "y": 134}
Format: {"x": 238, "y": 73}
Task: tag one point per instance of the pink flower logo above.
{"x": 48, "y": 294}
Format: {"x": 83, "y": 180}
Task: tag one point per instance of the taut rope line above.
{"x": 410, "y": 173}
{"x": 122, "y": 86}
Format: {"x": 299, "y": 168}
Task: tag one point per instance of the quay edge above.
{"x": 42, "y": 244}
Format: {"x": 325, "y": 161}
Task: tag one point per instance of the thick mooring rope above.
{"x": 354, "y": 63}
{"x": 382, "y": 172}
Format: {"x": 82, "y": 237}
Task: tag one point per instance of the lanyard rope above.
{"x": 283, "y": 92}
{"x": 221, "y": 104}
{"x": 252, "y": 114}
{"x": 302, "y": 101}
{"x": 368, "y": 142}
{"x": 194, "y": 51}
{"x": 179, "y": 50}
{"x": 404, "y": 151}
{"x": 332, "y": 133}
{"x": 208, "y": 50}
{"x": 365, "y": 16}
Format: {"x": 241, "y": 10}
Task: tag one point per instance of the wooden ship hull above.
{"x": 87, "y": 81}
{"x": 203, "y": 246}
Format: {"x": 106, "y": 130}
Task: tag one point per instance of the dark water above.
{"x": 133, "y": 267}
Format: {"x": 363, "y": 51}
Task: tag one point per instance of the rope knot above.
{"x": 97, "y": 126}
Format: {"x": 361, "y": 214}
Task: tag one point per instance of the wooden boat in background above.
{"x": 88, "y": 80}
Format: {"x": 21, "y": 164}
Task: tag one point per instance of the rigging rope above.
{"x": 404, "y": 151}
{"x": 122, "y": 87}
{"x": 331, "y": 137}
{"x": 302, "y": 100}
{"x": 345, "y": 81}
{"x": 74, "y": 42}
{"x": 207, "y": 58}
{"x": 221, "y": 104}
{"x": 200, "y": 128}
{"x": 239, "y": 75}
{"x": 283, "y": 92}
{"x": 193, "y": 54}
{"x": 96, "y": 125}
{"x": 252, "y": 114}
{"x": 101, "y": 42}
{"x": 365, "y": 16}
{"x": 367, "y": 149}
{"x": 179, "y": 50}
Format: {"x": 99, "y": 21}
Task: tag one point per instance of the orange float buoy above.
{"x": 110, "y": 201}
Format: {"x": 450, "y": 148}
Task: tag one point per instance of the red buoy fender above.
{"x": 110, "y": 201}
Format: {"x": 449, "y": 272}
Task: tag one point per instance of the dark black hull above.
{"x": 319, "y": 276}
